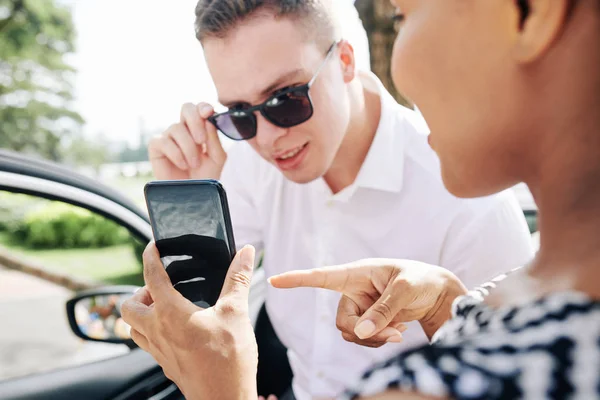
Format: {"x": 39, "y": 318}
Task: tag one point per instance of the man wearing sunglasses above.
{"x": 332, "y": 170}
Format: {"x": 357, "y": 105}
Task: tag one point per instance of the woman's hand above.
{"x": 209, "y": 353}
{"x": 379, "y": 295}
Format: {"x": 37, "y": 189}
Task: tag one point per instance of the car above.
{"x": 129, "y": 373}
{"x": 530, "y": 210}
{"x": 132, "y": 373}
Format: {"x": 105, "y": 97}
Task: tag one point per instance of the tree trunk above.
{"x": 376, "y": 16}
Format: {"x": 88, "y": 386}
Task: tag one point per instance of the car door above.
{"x": 116, "y": 371}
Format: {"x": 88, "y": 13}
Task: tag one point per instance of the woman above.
{"x": 511, "y": 92}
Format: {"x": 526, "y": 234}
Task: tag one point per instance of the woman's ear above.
{"x": 541, "y": 23}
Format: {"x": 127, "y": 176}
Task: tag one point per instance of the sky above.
{"x": 137, "y": 61}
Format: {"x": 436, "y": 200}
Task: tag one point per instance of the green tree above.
{"x": 35, "y": 80}
{"x": 81, "y": 150}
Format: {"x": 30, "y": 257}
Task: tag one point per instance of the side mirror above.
{"x": 95, "y": 314}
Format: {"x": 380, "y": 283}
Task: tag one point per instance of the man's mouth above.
{"x": 292, "y": 153}
{"x": 291, "y": 159}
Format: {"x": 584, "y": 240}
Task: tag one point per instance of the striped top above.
{"x": 547, "y": 349}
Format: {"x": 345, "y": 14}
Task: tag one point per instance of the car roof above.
{"x": 29, "y": 166}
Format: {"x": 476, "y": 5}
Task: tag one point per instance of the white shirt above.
{"x": 397, "y": 208}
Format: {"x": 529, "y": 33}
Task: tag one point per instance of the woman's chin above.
{"x": 468, "y": 187}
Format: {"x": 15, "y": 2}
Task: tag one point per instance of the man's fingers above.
{"x": 172, "y": 152}
{"x": 136, "y": 314}
{"x": 332, "y": 278}
{"x": 184, "y": 140}
{"x": 393, "y": 300}
{"x": 140, "y": 340}
{"x": 155, "y": 275}
{"x": 212, "y": 136}
{"x": 142, "y": 295}
{"x": 238, "y": 279}
{"x": 193, "y": 120}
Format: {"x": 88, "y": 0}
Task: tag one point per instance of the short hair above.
{"x": 217, "y": 18}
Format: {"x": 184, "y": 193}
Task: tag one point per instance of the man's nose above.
{"x": 268, "y": 133}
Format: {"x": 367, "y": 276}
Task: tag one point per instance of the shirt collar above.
{"x": 383, "y": 168}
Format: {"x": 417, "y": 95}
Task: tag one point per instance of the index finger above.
{"x": 191, "y": 117}
{"x": 332, "y": 278}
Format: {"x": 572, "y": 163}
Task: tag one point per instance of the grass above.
{"x": 111, "y": 265}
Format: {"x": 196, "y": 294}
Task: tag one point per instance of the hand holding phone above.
{"x": 193, "y": 233}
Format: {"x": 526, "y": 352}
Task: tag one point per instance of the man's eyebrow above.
{"x": 269, "y": 89}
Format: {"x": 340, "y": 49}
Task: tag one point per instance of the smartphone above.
{"x": 193, "y": 234}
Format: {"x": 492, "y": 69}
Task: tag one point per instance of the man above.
{"x": 335, "y": 171}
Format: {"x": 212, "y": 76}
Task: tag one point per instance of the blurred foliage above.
{"x": 139, "y": 152}
{"x": 59, "y": 225}
{"x": 33, "y": 224}
{"x": 35, "y": 80}
{"x": 376, "y": 16}
{"x": 13, "y": 208}
{"x": 135, "y": 154}
{"x": 90, "y": 152}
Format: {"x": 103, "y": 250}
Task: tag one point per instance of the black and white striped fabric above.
{"x": 549, "y": 349}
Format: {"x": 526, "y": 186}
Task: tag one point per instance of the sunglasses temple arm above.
{"x": 329, "y": 53}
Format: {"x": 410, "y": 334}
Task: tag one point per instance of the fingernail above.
{"x": 365, "y": 329}
{"x": 403, "y": 328}
{"x": 247, "y": 255}
{"x": 205, "y": 110}
{"x": 204, "y": 148}
{"x": 395, "y": 339}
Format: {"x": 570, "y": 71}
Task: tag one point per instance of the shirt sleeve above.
{"x": 237, "y": 179}
{"x": 487, "y": 241}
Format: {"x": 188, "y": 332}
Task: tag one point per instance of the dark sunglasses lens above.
{"x": 289, "y": 109}
{"x": 237, "y": 126}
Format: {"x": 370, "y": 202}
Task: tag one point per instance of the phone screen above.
{"x": 193, "y": 235}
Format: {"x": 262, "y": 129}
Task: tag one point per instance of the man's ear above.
{"x": 347, "y": 60}
{"x": 540, "y": 24}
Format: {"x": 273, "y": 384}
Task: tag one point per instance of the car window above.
{"x": 49, "y": 249}
{"x": 532, "y": 220}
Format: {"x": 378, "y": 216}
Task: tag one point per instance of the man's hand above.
{"x": 209, "y": 353}
{"x": 189, "y": 149}
{"x": 380, "y": 294}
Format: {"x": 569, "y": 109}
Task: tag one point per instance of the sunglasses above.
{"x": 286, "y": 108}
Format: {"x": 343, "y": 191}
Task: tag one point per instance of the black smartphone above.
{"x": 193, "y": 234}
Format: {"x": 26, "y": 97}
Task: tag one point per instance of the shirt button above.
{"x": 320, "y": 375}
{"x": 330, "y": 203}
{"x": 324, "y": 318}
